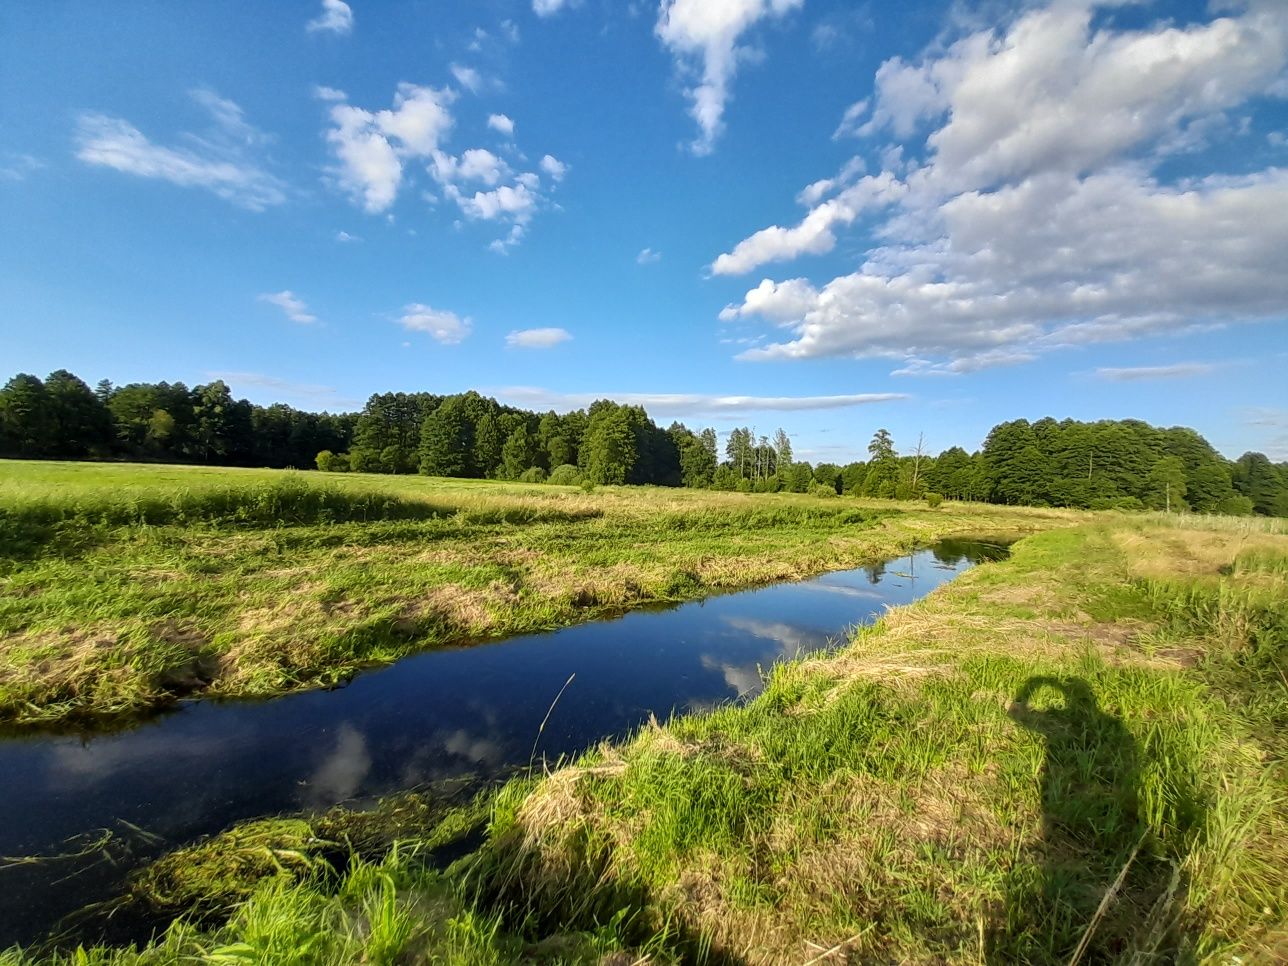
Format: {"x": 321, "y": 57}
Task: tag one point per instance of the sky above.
{"x": 827, "y": 216}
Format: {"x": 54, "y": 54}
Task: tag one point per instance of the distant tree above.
{"x": 883, "y": 468}
{"x": 519, "y": 452}
{"x": 487, "y": 444}
{"x": 852, "y": 478}
{"x": 1167, "y": 485}
{"x": 797, "y": 477}
{"x": 828, "y": 475}
{"x": 609, "y": 446}
{"x": 446, "y": 440}
{"x": 783, "y": 447}
{"x": 221, "y": 424}
{"x": 1262, "y": 482}
{"x": 80, "y": 423}
{"x": 26, "y": 426}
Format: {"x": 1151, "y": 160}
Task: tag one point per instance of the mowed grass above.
{"x": 123, "y": 587}
{"x": 1077, "y": 754}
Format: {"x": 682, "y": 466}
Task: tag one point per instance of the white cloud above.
{"x": 849, "y": 126}
{"x": 1036, "y": 218}
{"x": 476, "y": 164}
{"x": 648, "y": 257}
{"x": 219, "y": 160}
{"x": 443, "y": 326}
{"x": 537, "y": 338}
{"x": 467, "y": 77}
{"x": 813, "y": 235}
{"x": 336, "y": 17}
{"x": 516, "y": 202}
{"x": 555, "y": 168}
{"x": 15, "y": 166}
{"x": 344, "y": 236}
{"x": 294, "y": 307}
{"x": 501, "y": 124}
{"x": 703, "y": 36}
{"x": 372, "y": 145}
{"x": 324, "y": 93}
{"x": 1178, "y": 370}
{"x": 548, "y": 8}
{"x": 689, "y": 404}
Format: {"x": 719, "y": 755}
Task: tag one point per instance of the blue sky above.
{"x": 826, "y": 216}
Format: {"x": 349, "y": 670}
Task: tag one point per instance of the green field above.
{"x": 126, "y": 586}
{"x": 1078, "y": 753}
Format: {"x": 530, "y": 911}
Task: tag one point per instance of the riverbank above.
{"x": 1075, "y": 753}
{"x": 128, "y": 587}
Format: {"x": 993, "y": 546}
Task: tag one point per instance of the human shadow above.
{"x": 1097, "y": 882}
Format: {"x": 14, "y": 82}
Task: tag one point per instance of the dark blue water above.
{"x": 458, "y": 713}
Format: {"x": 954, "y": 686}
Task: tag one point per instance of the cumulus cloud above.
{"x": 648, "y": 257}
{"x": 555, "y": 168}
{"x": 703, "y": 35}
{"x": 374, "y": 151}
{"x": 690, "y": 404}
{"x": 537, "y": 338}
{"x": 294, "y": 307}
{"x": 1033, "y": 214}
{"x": 221, "y": 159}
{"x": 336, "y": 17}
{"x": 441, "y": 325}
{"x": 371, "y": 146}
{"x": 548, "y": 8}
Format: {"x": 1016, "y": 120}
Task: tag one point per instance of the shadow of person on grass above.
{"x": 1086, "y": 897}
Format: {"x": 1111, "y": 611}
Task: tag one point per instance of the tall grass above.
{"x": 125, "y": 587}
{"x": 1009, "y": 771}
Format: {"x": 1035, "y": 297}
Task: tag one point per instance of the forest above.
{"x": 1123, "y": 464}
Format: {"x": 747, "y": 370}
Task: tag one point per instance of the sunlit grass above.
{"x": 965, "y": 782}
{"x": 125, "y": 587}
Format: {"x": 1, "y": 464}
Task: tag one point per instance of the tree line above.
{"x": 1126, "y": 464}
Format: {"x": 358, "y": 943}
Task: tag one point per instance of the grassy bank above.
{"x": 1075, "y": 754}
{"x": 123, "y": 587}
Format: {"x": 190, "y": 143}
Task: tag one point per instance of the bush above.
{"x": 565, "y": 475}
{"x": 364, "y": 461}
{"x": 1236, "y": 506}
{"x": 588, "y": 486}
{"x": 933, "y": 500}
{"x": 329, "y": 462}
{"x": 533, "y": 474}
{"x": 821, "y": 489}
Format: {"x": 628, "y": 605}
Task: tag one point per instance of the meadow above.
{"x": 1076, "y": 754}
{"x": 127, "y": 587}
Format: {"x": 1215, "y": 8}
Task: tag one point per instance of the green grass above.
{"x": 1080, "y": 747}
{"x": 124, "y": 587}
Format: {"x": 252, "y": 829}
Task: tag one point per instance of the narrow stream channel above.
{"x": 456, "y": 713}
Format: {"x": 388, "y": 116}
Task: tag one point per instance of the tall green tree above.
{"x": 26, "y": 426}
{"x": 1167, "y": 485}
{"x": 519, "y": 452}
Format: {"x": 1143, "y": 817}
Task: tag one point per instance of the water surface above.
{"x": 471, "y": 712}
